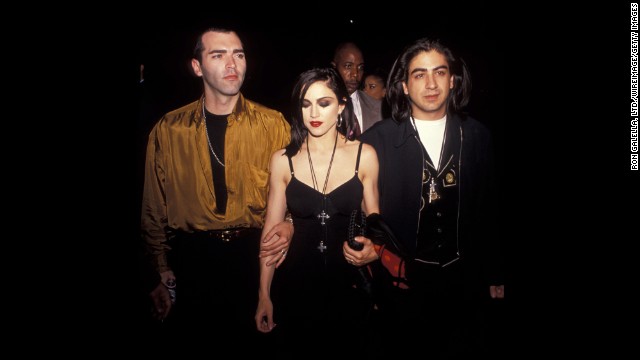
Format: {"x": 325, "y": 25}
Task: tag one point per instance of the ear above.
{"x": 333, "y": 64}
{"x": 341, "y": 108}
{"x": 404, "y": 87}
{"x": 195, "y": 64}
{"x": 451, "y": 81}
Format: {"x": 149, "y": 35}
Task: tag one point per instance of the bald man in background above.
{"x": 349, "y": 63}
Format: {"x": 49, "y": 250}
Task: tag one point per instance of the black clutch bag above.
{"x": 383, "y": 281}
{"x": 357, "y": 227}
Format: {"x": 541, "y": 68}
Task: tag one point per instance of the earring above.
{"x": 339, "y": 122}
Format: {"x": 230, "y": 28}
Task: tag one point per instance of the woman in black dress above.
{"x": 320, "y": 178}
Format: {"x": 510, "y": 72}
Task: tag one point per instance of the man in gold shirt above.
{"x": 205, "y": 196}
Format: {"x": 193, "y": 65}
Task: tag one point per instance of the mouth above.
{"x": 231, "y": 77}
{"x": 315, "y": 124}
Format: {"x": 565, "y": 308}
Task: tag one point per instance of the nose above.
{"x": 314, "y": 112}
{"x": 231, "y": 63}
{"x": 354, "y": 72}
{"x": 430, "y": 82}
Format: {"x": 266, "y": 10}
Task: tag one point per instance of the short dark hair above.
{"x": 399, "y": 101}
{"x": 197, "y": 51}
{"x": 342, "y": 46}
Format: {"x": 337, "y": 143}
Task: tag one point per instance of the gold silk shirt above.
{"x": 178, "y": 184}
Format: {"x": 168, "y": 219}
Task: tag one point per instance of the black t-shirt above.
{"x": 216, "y": 130}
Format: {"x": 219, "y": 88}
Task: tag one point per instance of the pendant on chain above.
{"x": 433, "y": 194}
{"x": 323, "y": 216}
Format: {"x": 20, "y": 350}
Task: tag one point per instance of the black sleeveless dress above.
{"x": 313, "y": 291}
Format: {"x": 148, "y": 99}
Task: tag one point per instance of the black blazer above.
{"x": 400, "y": 185}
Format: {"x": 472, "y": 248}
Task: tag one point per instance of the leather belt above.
{"x": 227, "y": 235}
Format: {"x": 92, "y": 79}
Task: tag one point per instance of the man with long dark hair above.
{"x": 436, "y": 194}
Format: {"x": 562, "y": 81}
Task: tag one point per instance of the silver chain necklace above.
{"x": 206, "y": 131}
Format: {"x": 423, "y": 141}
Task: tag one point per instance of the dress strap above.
{"x": 357, "y": 160}
{"x": 290, "y": 165}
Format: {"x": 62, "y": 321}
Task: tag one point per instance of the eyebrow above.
{"x": 235, "y": 51}
{"x": 425, "y": 69}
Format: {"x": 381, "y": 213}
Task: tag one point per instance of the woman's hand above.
{"x": 362, "y": 257}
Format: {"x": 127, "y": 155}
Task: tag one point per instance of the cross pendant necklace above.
{"x": 433, "y": 193}
{"x": 431, "y": 180}
{"x": 323, "y": 216}
{"x": 321, "y": 247}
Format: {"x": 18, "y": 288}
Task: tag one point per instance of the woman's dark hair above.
{"x": 400, "y": 102}
{"x": 334, "y": 82}
{"x": 378, "y": 72}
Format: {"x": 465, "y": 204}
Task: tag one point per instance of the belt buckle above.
{"x": 226, "y": 235}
